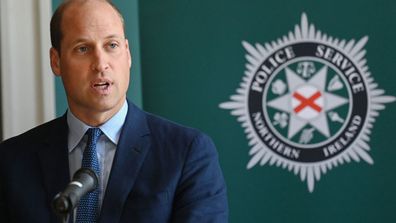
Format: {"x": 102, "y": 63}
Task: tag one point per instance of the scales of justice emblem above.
{"x": 307, "y": 102}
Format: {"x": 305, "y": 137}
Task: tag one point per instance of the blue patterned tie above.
{"x": 87, "y": 211}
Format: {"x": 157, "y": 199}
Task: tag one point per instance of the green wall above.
{"x": 193, "y": 60}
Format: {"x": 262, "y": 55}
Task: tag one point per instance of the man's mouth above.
{"x": 102, "y": 85}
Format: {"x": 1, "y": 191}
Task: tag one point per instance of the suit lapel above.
{"x": 131, "y": 151}
{"x": 53, "y": 157}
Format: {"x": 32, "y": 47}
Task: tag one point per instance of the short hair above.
{"x": 56, "y": 22}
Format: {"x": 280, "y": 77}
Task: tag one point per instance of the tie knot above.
{"x": 94, "y": 134}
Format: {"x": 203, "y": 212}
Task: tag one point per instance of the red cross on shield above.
{"x": 307, "y": 102}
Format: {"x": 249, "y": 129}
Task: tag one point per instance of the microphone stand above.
{"x": 61, "y": 210}
{"x": 84, "y": 181}
{"x": 64, "y": 218}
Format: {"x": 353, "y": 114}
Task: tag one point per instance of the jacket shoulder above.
{"x": 39, "y": 133}
{"x": 162, "y": 126}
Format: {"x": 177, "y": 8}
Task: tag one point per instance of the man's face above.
{"x": 94, "y": 61}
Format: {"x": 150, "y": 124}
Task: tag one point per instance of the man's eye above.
{"x": 82, "y": 49}
{"x": 113, "y": 45}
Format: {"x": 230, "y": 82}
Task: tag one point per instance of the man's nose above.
{"x": 100, "y": 61}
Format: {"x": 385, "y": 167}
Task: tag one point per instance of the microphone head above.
{"x": 86, "y": 176}
{"x": 84, "y": 181}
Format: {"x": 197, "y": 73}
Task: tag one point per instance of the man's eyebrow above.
{"x": 115, "y": 36}
{"x": 80, "y": 40}
{"x": 83, "y": 39}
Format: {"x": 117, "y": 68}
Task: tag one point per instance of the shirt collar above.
{"x": 111, "y": 128}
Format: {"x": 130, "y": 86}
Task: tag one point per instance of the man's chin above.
{"x": 106, "y": 106}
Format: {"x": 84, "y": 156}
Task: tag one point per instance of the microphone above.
{"x": 84, "y": 181}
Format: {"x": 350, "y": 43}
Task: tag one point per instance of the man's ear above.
{"x": 128, "y": 52}
{"x": 55, "y": 61}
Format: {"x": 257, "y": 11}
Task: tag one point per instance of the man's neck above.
{"x": 95, "y": 118}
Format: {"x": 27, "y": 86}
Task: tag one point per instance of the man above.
{"x": 150, "y": 169}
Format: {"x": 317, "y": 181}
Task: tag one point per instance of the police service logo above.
{"x": 307, "y": 102}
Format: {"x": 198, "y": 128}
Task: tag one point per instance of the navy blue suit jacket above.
{"x": 162, "y": 172}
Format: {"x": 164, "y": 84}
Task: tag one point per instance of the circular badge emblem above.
{"x": 307, "y": 102}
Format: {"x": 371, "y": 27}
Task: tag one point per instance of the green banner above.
{"x": 297, "y": 96}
